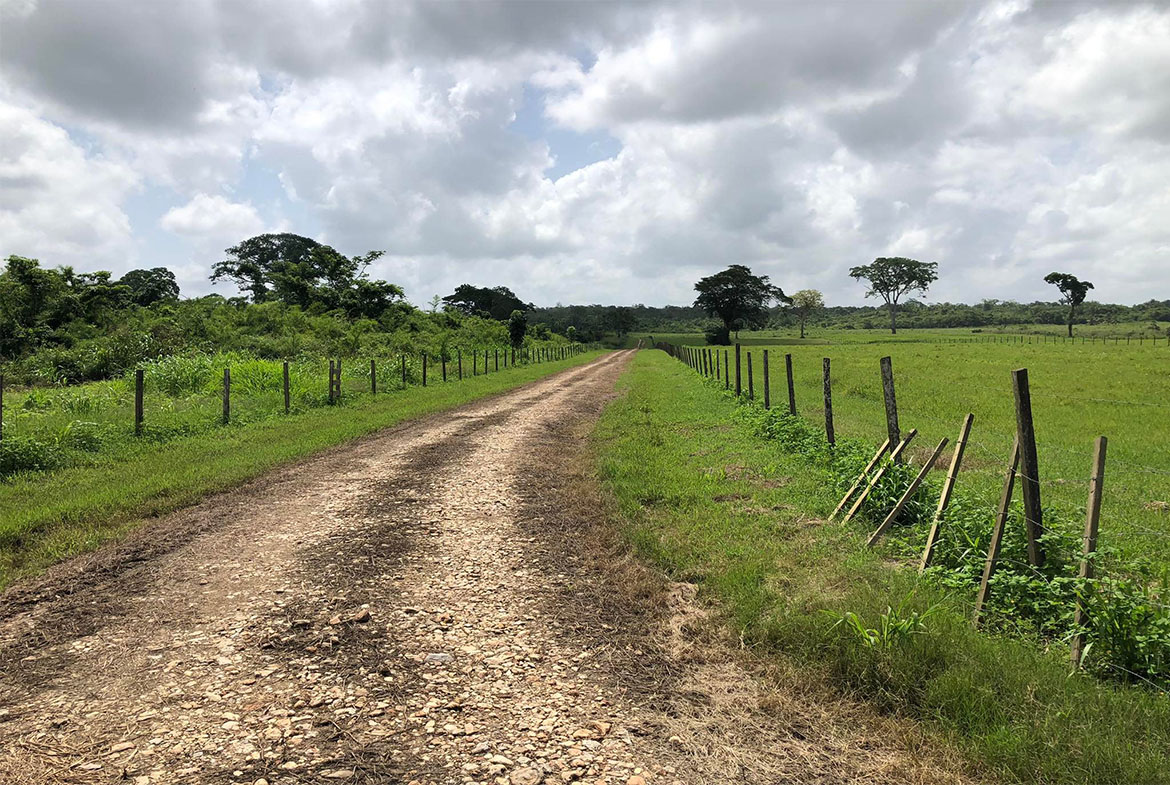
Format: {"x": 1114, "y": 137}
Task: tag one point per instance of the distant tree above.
{"x": 435, "y": 302}
{"x": 148, "y": 287}
{"x": 496, "y": 303}
{"x": 738, "y": 298}
{"x": 571, "y": 333}
{"x": 892, "y": 277}
{"x": 623, "y": 320}
{"x": 300, "y": 271}
{"x": 805, "y": 304}
{"x": 517, "y": 328}
{"x": 1072, "y": 293}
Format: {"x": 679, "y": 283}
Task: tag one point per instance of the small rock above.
{"x": 122, "y": 747}
{"x": 525, "y": 776}
{"x": 637, "y": 779}
{"x": 362, "y": 616}
{"x": 438, "y": 656}
{"x": 338, "y": 774}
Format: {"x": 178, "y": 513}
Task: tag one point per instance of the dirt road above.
{"x": 435, "y": 604}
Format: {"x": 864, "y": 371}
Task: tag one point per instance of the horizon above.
{"x": 597, "y": 153}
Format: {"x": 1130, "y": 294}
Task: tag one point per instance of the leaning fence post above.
{"x": 891, "y": 403}
{"x": 286, "y": 396}
{"x": 1089, "y": 546}
{"x": 830, "y": 436}
{"x": 791, "y": 386}
{"x": 945, "y": 497}
{"x": 894, "y": 513}
{"x": 1001, "y": 516}
{"x": 138, "y": 374}
{"x": 767, "y": 383}
{"x": 373, "y": 377}
{"x": 895, "y": 456}
{"x": 877, "y": 456}
{"x": 1029, "y": 467}
{"x": 227, "y": 395}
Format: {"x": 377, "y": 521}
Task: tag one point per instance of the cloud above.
{"x": 1000, "y": 139}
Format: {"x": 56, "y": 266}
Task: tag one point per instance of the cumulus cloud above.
{"x": 1001, "y": 139}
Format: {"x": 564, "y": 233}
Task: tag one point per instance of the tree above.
{"x": 300, "y": 271}
{"x": 1072, "y": 292}
{"x": 148, "y": 287}
{"x": 517, "y": 328}
{"x": 571, "y": 333}
{"x": 495, "y": 303}
{"x": 892, "y": 277}
{"x": 805, "y": 303}
{"x": 738, "y": 298}
{"x": 435, "y": 302}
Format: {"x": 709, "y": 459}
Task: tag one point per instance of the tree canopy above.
{"x": 805, "y": 304}
{"x": 300, "y": 271}
{"x": 737, "y": 298}
{"x": 1072, "y": 292}
{"x": 892, "y": 277}
{"x": 147, "y": 287}
{"x": 517, "y": 328}
{"x": 496, "y": 302}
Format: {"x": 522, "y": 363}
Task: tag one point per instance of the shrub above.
{"x": 22, "y": 454}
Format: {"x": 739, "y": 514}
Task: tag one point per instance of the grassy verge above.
{"x": 47, "y": 517}
{"x": 712, "y": 503}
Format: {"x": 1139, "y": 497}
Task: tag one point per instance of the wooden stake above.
{"x": 1089, "y": 544}
{"x": 331, "y": 384}
{"x": 138, "y": 385}
{"x": 1001, "y": 516}
{"x": 373, "y": 377}
{"x": 829, "y": 434}
{"x": 767, "y": 383}
{"x": 443, "y": 362}
{"x": 944, "y": 498}
{"x": 227, "y": 396}
{"x": 877, "y": 456}
{"x": 891, "y": 403}
{"x": 917, "y": 481}
{"x": 895, "y": 455}
{"x": 791, "y": 386}
{"x": 459, "y": 359}
{"x": 1029, "y": 467}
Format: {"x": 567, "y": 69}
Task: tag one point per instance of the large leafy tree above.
{"x": 148, "y": 287}
{"x": 892, "y": 277}
{"x": 805, "y": 304}
{"x": 1072, "y": 292}
{"x": 300, "y": 271}
{"x": 497, "y": 302}
{"x": 517, "y": 328}
{"x": 737, "y": 298}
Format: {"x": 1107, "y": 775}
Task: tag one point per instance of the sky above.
{"x": 596, "y": 152}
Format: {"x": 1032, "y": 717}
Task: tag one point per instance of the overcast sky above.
{"x": 596, "y": 152}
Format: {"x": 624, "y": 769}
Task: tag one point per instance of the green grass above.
{"x": 707, "y": 499}
{"x": 47, "y": 516}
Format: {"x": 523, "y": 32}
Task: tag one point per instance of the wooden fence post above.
{"x": 864, "y": 476}
{"x": 829, "y": 434}
{"x": 1089, "y": 545}
{"x": 497, "y": 359}
{"x": 945, "y": 497}
{"x": 373, "y": 377}
{"x": 286, "y": 389}
{"x": 895, "y": 455}
{"x": 1029, "y": 467}
{"x": 332, "y": 386}
{"x": 718, "y": 376}
{"x": 738, "y": 374}
{"x": 443, "y": 363}
{"x": 891, "y": 403}
{"x": 138, "y": 384}
{"x": 1001, "y": 516}
{"x": 751, "y": 383}
{"x": 791, "y": 386}
{"x": 424, "y": 369}
{"x": 227, "y": 395}
{"x": 485, "y": 359}
{"x": 459, "y": 360}
{"x": 767, "y": 383}
{"x": 909, "y": 493}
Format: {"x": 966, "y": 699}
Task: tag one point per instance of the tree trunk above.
{"x": 802, "y": 328}
{"x": 1070, "y": 319}
{"x": 893, "y": 318}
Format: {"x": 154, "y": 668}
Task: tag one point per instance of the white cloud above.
{"x": 214, "y": 217}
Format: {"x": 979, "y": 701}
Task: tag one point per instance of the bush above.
{"x": 22, "y": 454}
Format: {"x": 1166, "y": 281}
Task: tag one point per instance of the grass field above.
{"x": 705, "y": 497}
{"x": 103, "y": 486}
{"x": 1078, "y": 392}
